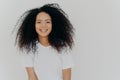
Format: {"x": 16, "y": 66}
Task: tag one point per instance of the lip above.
{"x": 43, "y": 30}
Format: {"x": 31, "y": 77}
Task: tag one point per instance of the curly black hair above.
{"x": 60, "y": 37}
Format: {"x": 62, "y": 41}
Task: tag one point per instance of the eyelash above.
{"x": 48, "y": 22}
{"x": 40, "y": 22}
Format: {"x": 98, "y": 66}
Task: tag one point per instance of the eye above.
{"x": 47, "y": 22}
{"x": 38, "y": 22}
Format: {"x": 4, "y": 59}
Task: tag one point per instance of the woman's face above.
{"x": 43, "y": 25}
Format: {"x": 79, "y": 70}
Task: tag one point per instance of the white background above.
{"x": 97, "y": 37}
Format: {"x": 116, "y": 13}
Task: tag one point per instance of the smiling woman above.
{"x": 46, "y": 36}
{"x": 43, "y": 26}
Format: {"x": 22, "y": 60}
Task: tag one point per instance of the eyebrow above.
{"x": 42, "y": 20}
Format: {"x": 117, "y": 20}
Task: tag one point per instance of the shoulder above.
{"x": 67, "y": 59}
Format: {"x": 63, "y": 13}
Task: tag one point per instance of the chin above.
{"x": 43, "y": 36}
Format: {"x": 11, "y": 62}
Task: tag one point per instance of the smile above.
{"x": 43, "y": 30}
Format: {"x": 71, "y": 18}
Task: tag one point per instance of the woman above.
{"x": 45, "y": 34}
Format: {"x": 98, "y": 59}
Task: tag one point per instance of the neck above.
{"x": 44, "y": 41}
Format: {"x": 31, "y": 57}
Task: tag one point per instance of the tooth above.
{"x": 43, "y": 30}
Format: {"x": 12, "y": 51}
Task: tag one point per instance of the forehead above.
{"x": 43, "y": 16}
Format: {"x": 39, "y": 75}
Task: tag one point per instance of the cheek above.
{"x": 50, "y": 28}
{"x": 36, "y": 28}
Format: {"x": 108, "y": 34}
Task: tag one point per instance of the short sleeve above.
{"x": 27, "y": 60}
{"x": 67, "y": 60}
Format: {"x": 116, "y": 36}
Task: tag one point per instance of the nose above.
{"x": 43, "y": 25}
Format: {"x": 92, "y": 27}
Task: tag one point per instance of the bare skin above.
{"x": 31, "y": 73}
{"x": 66, "y": 74}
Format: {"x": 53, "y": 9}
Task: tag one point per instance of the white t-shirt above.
{"x": 47, "y": 62}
